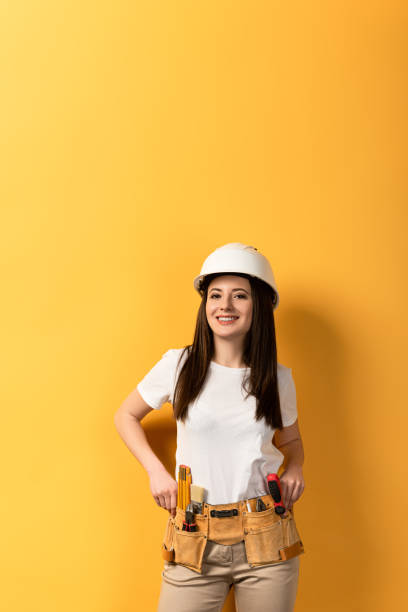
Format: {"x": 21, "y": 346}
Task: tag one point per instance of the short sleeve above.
{"x": 288, "y": 400}
{"x": 156, "y": 387}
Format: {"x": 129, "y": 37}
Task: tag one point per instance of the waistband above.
{"x": 241, "y": 506}
{"x": 231, "y": 523}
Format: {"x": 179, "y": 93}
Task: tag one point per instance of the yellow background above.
{"x": 136, "y": 137}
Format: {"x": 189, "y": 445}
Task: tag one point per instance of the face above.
{"x": 229, "y": 296}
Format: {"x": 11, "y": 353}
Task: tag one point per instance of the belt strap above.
{"x": 222, "y": 513}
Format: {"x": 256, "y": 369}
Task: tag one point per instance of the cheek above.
{"x": 249, "y": 315}
{"x": 248, "y": 311}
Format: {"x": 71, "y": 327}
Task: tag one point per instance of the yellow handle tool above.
{"x": 184, "y": 483}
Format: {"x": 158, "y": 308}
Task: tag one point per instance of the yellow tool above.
{"x": 184, "y": 483}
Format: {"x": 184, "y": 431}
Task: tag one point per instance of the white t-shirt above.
{"x": 228, "y": 451}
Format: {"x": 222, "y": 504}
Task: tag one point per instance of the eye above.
{"x": 240, "y": 295}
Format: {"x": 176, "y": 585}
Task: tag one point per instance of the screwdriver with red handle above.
{"x": 275, "y": 490}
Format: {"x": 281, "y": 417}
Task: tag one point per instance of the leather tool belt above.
{"x": 269, "y": 537}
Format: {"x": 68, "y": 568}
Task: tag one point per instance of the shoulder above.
{"x": 283, "y": 370}
{"x": 176, "y": 353}
{"x": 177, "y": 356}
{"x": 284, "y": 374}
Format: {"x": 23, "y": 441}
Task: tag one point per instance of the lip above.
{"x": 225, "y": 323}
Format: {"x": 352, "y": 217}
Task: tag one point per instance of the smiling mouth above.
{"x": 227, "y": 320}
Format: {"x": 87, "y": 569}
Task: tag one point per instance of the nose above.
{"x": 225, "y": 304}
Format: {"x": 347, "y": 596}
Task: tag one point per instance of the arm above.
{"x": 288, "y": 440}
{"x": 127, "y": 421}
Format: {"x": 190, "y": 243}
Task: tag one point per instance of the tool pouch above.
{"x": 271, "y": 538}
{"x": 168, "y": 541}
{"x": 292, "y": 544}
{"x": 185, "y": 547}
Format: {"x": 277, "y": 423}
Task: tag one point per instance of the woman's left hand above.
{"x": 292, "y": 484}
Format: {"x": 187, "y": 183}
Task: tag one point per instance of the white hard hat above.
{"x": 238, "y": 257}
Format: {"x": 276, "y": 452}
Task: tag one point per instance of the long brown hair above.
{"x": 259, "y": 355}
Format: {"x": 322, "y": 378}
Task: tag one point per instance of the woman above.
{"x": 236, "y": 413}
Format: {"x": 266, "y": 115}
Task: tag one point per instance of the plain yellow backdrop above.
{"x": 136, "y": 137}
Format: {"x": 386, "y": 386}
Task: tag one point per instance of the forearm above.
{"x": 133, "y": 435}
{"x": 293, "y": 453}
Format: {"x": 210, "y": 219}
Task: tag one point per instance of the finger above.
{"x": 284, "y": 489}
{"x": 290, "y": 504}
{"x": 173, "y": 503}
{"x": 294, "y": 496}
{"x": 284, "y": 492}
{"x": 167, "y": 502}
{"x": 157, "y": 500}
{"x": 289, "y": 496}
{"x": 162, "y": 501}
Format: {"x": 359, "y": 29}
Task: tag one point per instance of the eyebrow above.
{"x": 236, "y": 289}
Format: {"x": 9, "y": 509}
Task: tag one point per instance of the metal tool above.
{"x": 189, "y": 524}
{"x": 260, "y": 505}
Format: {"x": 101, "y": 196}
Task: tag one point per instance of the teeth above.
{"x": 227, "y": 318}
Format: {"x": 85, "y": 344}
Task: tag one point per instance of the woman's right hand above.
{"x": 164, "y": 490}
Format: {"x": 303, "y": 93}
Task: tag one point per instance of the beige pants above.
{"x": 264, "y": 588}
